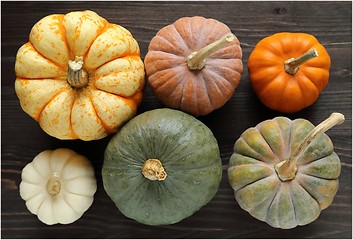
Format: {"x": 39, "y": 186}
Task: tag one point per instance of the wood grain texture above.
{"x": 22, "y": 138}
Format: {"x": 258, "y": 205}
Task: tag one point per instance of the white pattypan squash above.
{"x": 58, "y": 186}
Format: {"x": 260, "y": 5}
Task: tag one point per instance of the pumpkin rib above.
{"x": 67, "y": 159}
{"x": 249, "y": 186}
{"x": 309, "y": 84}
{"x": 286, "y": 143}
{"x": 201, "y": 34}
{"x": 157, "y": 88}
{"x": 296, "y": 214}
{"x": 180, "y": 37}
{"x": 63, "y": 38}
{"x": 67, "y": 202}
{"x": 257, "y": 161}
{"x": 210, "y": 82}
{"x": 204, "y": 86}
{"x": 104, "y": 124}
{"x": 293, "y": 205}
{"x": 41, "y": 204}
{"x": 236, "y": 167}
{"x": 37, "y": 170}
{"x": 72, "y": 131}
{"x": 266, "y": 159}
{"x": 103, "y": 29}
{"x": 181, "y": 98}
{"x": 168, "y": 41}
{"x": 314, "y": 176}
{"x": 268, "y": 144}
{"x": 175, "y": 60}
{"x": 64, "y": 68}
{"x": 308, "y": 191}
{"x": 276, "y": 194}
{"x": 39, "y": 189}
{"x": 281, "y": 140}
{"x": 242, "y": 139}
{"x": 45, "y": 105}
{"x": 236, "y": 79}
{"x": 221, "y": 80}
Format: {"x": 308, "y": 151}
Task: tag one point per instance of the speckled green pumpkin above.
{"x": 257, "y": 186}
{"x": 189, "y": 154}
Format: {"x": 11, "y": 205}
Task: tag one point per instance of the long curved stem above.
{"x": 286, "y": 169}
{"x": 197, "y": 60}
{"x": 292, "y": 65}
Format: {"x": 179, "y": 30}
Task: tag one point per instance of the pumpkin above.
{"x": 58, "y": 186}
{"x": 285, "y": 172}
{"x": 194, "y": 65}
{"x": 79, "y": 76}
{"x": 161, "y": 167}
{"x": 288, "y": 71}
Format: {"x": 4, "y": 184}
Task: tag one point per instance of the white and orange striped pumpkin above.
{"x": 79, "y": 76}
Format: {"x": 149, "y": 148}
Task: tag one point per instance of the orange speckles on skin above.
{"x": 115, "y": 44}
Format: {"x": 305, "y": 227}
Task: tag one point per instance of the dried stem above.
{"x": 287, "y": 169}
{"x": 197, "y": 60}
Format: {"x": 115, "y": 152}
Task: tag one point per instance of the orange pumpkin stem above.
{"x": 77, "y": 77}
{"x": 287, "y": 169}
{"x": 197, "y": 60}
{"x": 292, "y": 65}
{"x": 153, "y": 170}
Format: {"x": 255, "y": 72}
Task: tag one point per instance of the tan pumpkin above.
{"x": 79, "y": 76}
{"x": 285, "y": 172}
{"x": 194, "y": 65}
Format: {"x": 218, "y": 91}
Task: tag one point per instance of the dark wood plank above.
{"x": 22, "y": 138}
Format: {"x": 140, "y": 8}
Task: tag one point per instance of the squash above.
{"x": 194, "y": 65}
{"x": 285, "y": 172}
{"x": 79, "y": 76}
{"x": 288, "y": 71}
{"x": 58, "y": 186}
{"x": 161, "y": 167}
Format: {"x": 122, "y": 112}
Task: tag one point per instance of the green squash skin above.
{"x": 259, "y": 190}
{"x": 190, "y": 156}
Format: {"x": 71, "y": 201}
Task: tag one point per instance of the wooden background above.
{"x": 22, "y": 139}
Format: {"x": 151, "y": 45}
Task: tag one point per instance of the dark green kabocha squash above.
{"x": 161, "y": 167}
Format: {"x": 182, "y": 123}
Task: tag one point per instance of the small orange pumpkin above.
{"x": 194, "y": 65}
{"x": 288, "y": 71}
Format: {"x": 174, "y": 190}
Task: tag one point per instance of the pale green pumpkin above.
{"x": 161, "y": 167}
{"x": 285, "y": 172}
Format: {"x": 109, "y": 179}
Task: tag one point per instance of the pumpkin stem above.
{"x": 287, "y": 169}
{"x": 292, "y": 65}
{"x": 53, "y": 185}
{"x": 153, "y": 170}
{"x": 77, "y": 77}
{"x": 197, "y": 60}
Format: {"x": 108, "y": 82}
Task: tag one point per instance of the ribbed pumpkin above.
{"x": 285, "y": 172}
{"x": 58, "y": 186}
{"x": 161, "y": 167}
{"x": 79, "y": 76}
{"x": 288, "y": 71}
{"x": 194, "y": 65}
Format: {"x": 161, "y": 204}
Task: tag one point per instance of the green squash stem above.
{"x": 287, "y": 169}
{"x": 197, "y": 60}
{"x": 292, "y": 65}
{"x": 153, "y": 170}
